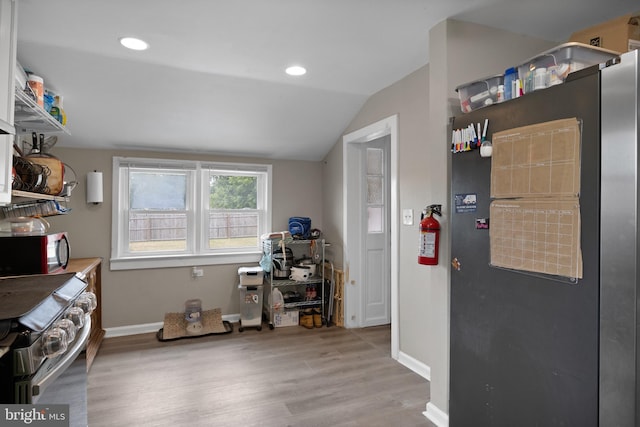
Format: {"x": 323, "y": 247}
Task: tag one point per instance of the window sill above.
{"x": 141, "y": 263}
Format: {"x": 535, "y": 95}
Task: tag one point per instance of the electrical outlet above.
{"x": 197, "y": 272}
{"x": 407, "y": 216}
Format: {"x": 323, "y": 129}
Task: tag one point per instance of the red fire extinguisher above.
{"x": 429, "y": 236}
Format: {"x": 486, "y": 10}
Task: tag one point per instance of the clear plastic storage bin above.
{"x": 250, "y": 306}
{"x": 251, "y": 275}
{"x": 479, "y": 93}
{"x": 553, "y": 66}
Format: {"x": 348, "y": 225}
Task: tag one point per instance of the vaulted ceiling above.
{"x": 213, "y": 78}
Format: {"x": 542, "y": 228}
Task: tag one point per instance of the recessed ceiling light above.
{"x": 134, "y": 43}
{"x": 296, "y": 70}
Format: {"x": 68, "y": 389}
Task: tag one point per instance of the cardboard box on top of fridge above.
{"x": 621, "y": 34}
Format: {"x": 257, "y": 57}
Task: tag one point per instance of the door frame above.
{"x": 352, "y": 253}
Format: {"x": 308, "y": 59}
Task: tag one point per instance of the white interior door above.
{"x": 376, "y": 288}
{"x": 361, "y": 306}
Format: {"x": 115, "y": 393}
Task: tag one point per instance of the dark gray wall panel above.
{"x": 524, "y": 349}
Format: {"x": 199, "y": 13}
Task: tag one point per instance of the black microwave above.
{"x": 20, "y": 255}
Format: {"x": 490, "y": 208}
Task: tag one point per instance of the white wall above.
{"x": 424, "y": 101}
{"x": 460, "y": 52}
{"x": 135, "y": 297}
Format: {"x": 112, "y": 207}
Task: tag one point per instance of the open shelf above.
{"x": 33, "y": 204}
{"x": 29, "y": 116}
{"x": 23, "y": 196}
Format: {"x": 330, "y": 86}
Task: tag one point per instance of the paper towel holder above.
{"x": 94, "y": 187}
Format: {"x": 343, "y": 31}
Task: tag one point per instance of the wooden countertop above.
{"x": 82, "y": 265}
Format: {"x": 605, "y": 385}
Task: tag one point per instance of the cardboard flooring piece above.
{"x": 537, "y": 235}
{"x": 541, "y": 160}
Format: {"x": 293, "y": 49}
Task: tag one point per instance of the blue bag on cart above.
{"x": 300, "y": 227}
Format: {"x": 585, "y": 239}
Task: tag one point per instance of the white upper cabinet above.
{"x": 8, "y": 36}
{"x": 8, "y": 31}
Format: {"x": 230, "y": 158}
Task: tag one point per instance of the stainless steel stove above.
{"x": 44, "y": 327}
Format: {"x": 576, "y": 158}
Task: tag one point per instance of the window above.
{"x": 172, "y": 213}
{"x": 375, "y": 190}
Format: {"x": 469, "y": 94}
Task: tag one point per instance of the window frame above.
{"x": 197, "y": 209}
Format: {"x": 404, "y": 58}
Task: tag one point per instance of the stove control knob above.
{"x": 69, "y": 327}
{"x": 87, "y": 302}
{"x": 54, "y": 342}
{"x": 76, "y": 315}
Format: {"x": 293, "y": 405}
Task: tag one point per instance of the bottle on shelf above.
{"x": 57, "y": 111}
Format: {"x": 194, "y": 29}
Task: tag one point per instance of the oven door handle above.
{"x": 60, "y": 365}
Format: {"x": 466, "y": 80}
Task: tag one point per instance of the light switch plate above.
{"x": 407, "y": 216}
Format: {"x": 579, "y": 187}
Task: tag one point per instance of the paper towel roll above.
{"x": 94, "y": 187}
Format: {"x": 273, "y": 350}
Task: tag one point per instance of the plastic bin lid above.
{"x": 244, "y": 270}
{"x": 482, "y": 80}
{"x": 579, "y": 46}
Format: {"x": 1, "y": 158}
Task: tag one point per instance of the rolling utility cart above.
{"x": 298, "y": 294}
{"x": 251, "y": 295}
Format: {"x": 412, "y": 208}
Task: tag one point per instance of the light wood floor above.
{"x": 284, "y": 377}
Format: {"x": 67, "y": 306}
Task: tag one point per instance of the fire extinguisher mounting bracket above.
{"x": 434, "y": 209}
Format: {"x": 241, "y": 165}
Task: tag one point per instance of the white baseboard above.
{"x": 145, "y": 328}
{"x": 415, "y": 365}
{"x": 436, "y": 416}
{"x": 122, "y": 331}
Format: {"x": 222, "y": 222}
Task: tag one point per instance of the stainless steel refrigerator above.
{"x": 537, "y": 349}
